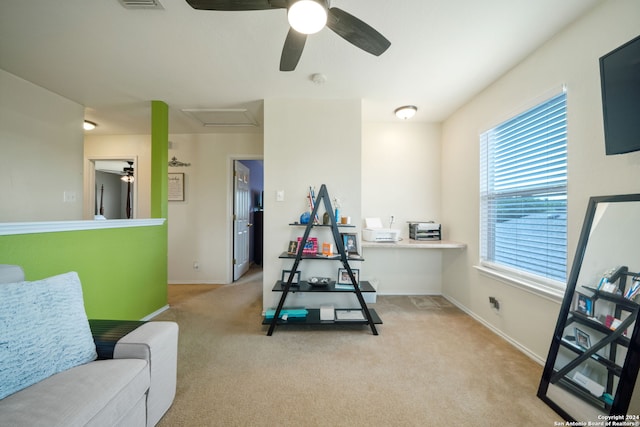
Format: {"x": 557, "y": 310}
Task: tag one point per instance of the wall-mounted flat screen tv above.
{"x": 620, "y": 83}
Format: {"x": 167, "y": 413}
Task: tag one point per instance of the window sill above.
{"x": 552, "y": 294}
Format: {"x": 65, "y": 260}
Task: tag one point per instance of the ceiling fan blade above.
{"x": 292, "y": 50}
{"x": 357, "y": 32}
{"x": 235, "y": 5}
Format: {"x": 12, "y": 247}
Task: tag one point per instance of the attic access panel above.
{"x": 222, "y": 117}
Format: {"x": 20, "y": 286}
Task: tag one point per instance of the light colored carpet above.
{"x": 431, "y": 365}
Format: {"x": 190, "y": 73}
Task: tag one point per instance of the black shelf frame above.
{"x": 323, "y": 198}
{"x": 613, "y": 338}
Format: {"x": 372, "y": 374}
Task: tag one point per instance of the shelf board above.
{"x": 313, "y": 318}
{"x": 286, "y": 255}
{"x": 610, "y": 365}
{"x": 595, "y": 325}
{"x": 415, "y": 244}
{"x": 575, "y": 388}
{"x": 615, "y": 298}
{"x": 297, "y": 224}
{"x": 304, "y": 286}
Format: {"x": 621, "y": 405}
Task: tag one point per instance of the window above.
{"x": 523, "y": 194}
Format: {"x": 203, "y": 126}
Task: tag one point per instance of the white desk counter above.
{"x": 415, "y": 244}
{"x": 395, "y": 269}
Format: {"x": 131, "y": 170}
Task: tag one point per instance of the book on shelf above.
{"x": 353, "y": 315}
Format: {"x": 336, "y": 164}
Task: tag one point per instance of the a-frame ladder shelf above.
{"x": 370, "y": 317}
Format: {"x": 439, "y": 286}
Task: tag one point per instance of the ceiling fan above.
{"x": 127, "y": 173}
{"x": 342, "y": 23}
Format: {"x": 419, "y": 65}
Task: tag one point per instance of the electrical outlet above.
{"x": 196, "y": 266}
{"x": 494, "y": 303}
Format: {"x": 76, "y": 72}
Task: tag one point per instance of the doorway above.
{"x": 111, "y": 188}
{"x": 248, "y": 215}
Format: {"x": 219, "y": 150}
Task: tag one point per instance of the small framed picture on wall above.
{"x": 176, "y": 187}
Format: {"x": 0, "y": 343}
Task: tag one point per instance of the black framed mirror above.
{"x": 592, "y": 365}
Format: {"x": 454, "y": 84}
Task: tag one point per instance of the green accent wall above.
{"x": 159, "y": 159}
{"x": 123, "y": 270}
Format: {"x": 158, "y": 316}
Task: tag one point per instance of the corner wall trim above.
{"x": 155, "y": 313}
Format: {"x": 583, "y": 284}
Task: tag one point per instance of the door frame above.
{"x": 90, "y": 184}
{"x": 229, "y": 223}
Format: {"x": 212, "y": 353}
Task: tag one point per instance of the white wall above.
{"x": 570, "y": 58}
{"x": 200, "y": 228}
{"x": 307, "y": 143}
{"x": 401, "y": 176}
{"x": 41, "y": 139}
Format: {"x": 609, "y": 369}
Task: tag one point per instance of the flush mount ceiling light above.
{"x": 89, "y": 125}
{"x": 307, "y": 16}
{"x": 406, "y": 112}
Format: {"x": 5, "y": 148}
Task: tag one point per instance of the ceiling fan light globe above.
{"x": 307, "y": 16}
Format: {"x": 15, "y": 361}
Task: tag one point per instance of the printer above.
{"x": 373, "y": 232}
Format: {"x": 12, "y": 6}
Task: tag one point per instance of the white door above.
{"x": 241, "y": 224}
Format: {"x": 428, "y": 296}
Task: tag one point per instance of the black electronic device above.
{"x": 620, "y": 84}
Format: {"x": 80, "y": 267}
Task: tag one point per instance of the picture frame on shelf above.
{"x": 582, "y": 338}
{"x": 293, "y": 247}
{"x": 343, "y": 276}
{"x": 287, "y": 273}
{"x": 584, "y": 304}
{"x": 310, "y": 247}
{"x": 350, "y": 242}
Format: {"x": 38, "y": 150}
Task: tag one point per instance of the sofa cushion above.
{"x": 11, "y": 273}
{"x": 99, "y": 393}
{"x": 43, "y": 330}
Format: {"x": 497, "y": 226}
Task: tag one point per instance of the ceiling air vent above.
{"x": 141, "y": 4}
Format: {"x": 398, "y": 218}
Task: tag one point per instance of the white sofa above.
{"x": 134, "y": 388}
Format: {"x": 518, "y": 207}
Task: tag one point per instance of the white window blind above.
{"x": 523, "y": 192}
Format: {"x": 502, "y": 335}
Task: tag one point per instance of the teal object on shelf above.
{"x": 290, "y": 312}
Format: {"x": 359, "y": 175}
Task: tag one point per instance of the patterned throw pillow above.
{"x": 43, "y": 330}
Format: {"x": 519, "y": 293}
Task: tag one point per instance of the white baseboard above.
{"x": 155, "y": 313}
{"x": 428, "y": 294}
{"x": 496, "y": 331}
{"x": 195, "y": 282}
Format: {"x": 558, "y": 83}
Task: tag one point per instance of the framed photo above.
{"x": 176, "y": 187}
{"x": 293, "y": 247}
{"x": 343, "y": 276}
{"x": 584, "y": 304}
{"x": 311, "y": 247}
{"x": 350, "y": 242}
{"x": 582, "y": 338}
{"x": 287, "y": 273}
